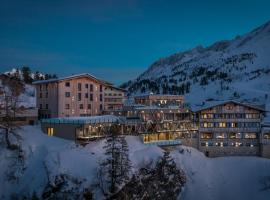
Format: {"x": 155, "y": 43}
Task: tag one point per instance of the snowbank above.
{"x": 207, "y": 178}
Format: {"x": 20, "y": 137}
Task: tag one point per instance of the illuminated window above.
{"x": 50, "y": 131}
{"x": 250, "y": 135}
{"x": 266, "y": 135}
{"x": 233, "y": 125}
{"x": 235, "y": 135}
{"x": 221, "y": 135}
{"x": 222, "y": 125}
{"x": 206, "y": 135}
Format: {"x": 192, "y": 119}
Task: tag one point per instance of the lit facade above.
{"x": 77, "y": 95}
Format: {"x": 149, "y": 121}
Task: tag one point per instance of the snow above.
{"x": 28, "y": 98}
{"x": 85, "y": 120}
{"x": 55, "y": 155}
{"x": 223, "y": 177}
{"x": 207, "y": 178}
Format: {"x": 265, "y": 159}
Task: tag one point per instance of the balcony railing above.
{"x": 229, "y": 129}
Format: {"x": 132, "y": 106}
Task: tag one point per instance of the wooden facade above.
{"x": 230, "y": 128}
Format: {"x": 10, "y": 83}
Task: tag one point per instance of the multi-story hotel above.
{"x": 77, "y": 95}
{"x": 227, "y": 128}
{"x": 230, "y": 128}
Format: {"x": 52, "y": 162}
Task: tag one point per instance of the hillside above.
{"x": 73, "y": 168}
{"x": 232, "y": 69}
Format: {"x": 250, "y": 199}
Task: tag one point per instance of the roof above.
{"x": 72, "y": 77}
{"x": 117, "y": 88}
{"x": 85, "y": 120}
{"x": 256, "y": 107}
{"x": 157, "y": 95}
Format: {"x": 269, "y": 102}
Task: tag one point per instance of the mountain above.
{"x": 231, "y": 69}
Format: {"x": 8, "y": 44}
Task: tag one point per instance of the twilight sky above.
{"x": 116, "y": 39}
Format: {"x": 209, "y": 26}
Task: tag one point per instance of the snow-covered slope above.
{"x": 234, "y": 69}
{"x": 27, "y": 99}
{"x": 223, "y": 178}
{"x": 43, "y": 158}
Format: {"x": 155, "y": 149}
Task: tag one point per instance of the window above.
{"x": 79, "y": 96}
{"x": 100, "y": 88}
{"x": 47, "y": 106}
{"x": 100, "y": 97}
{"x": 100, "y": 107}
{"x": 235, "y": 135}
{"x": 207, "y": 125}
{"x": 222, "y": 125}
{"x": 86, "y": 85}
{"x": 86, "y": 95}
{"x": 91, "y": 97}
{"x": 266, "y": 136}
{"x": 50, "y": 131}
{"x": 221, "y": 135}
{"x": 206, "y": 135}
{"x": 40, "y": 106}
{"x": 67, "y": 84}
{"x": 234, "y": 125}
{"x": 40, "y": 87}
{"x": 67, "y": 106}
{"x": 46, "y": 94}
{"x": 67, "y": 94}
{"x": 79, "y": 87}
{"x": 91, "y": 87}
{"x": 40, "y": 95}
{"x": 250, "y": 135}
{"x": 89, "y": 106}
{"x": 81, "y": 106}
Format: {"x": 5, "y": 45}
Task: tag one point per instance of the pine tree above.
{"x": 114, "y": 170}
{"x": 26, "y": 74}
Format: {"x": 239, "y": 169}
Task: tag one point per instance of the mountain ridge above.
{"x": 228, "y": 69}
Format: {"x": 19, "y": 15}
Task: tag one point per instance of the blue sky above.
{"x": 116, "y": 39}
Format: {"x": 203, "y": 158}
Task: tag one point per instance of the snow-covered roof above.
{"x": 71, "y": 77}
{"x": 153, "y": 107}
{"x": 85, "y": 120}
{"x": 207, "y": 106}
{"x": 157, "y": 95}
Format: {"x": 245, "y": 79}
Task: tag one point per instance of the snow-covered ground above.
{"x": 207, "y": 178}
{"x": 223, "y": 178}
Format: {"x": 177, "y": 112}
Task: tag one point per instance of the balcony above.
{"x": 257, "y": 129}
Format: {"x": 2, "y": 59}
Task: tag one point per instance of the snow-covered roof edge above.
{"x": 85, "y": 120}
{"x": 71, "y": 77}
{"x": 230, "y": 101}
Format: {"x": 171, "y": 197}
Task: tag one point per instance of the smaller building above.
{"x": 81, "y": 128}
{"x": 23, "y": 116}
{"x": 230, "y": 128}
{"x": 113, "y": 98}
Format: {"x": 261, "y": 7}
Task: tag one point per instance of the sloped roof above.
{"x": 72, "y": 77}
{"x": 256, "y": 107}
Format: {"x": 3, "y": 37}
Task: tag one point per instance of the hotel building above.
{"x": 73, "y": 96}
{"x": 230, "y": 128}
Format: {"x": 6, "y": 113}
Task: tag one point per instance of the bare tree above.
{"x": 10, "y": 91}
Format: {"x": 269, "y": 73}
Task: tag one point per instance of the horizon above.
{"x": 116, "y": 41}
